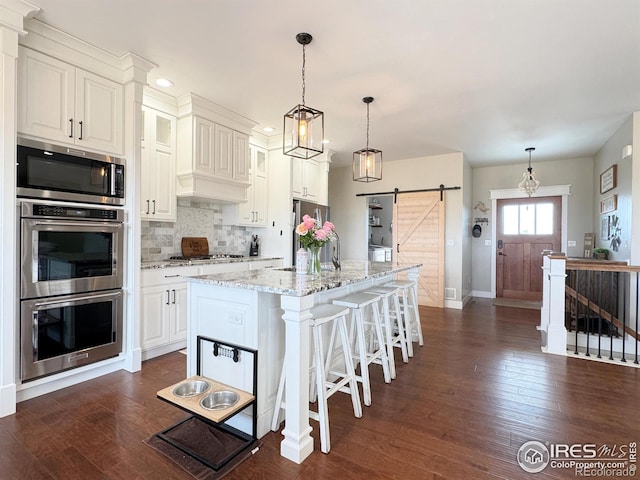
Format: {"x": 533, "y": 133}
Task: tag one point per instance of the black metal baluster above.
{"x": 636, "y": 357}
{"x": 624, "y": 316}
{"x": 599, "y": 312}
{"x": 588, "y": 319}
{"x": 577, "y": 290}
{"x": 612, "y": 302}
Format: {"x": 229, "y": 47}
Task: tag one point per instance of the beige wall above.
{"x": 611, "y": 154}
{"x": 349, "y": 213}
{"x": 577, "y": 172}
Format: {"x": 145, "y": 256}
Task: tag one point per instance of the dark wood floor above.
{"x": 477, "y": 390}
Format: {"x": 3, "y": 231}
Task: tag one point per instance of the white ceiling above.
{"x": 485, "y": 77}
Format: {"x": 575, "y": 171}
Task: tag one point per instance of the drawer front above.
{"x": 166, "y": 276}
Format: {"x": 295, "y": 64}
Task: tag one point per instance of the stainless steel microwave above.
{"x": 61, "y": 173}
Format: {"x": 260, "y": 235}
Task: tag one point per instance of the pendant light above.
{"x": 529, "y": 183}
{"x": 303, "y": 126}
{"x": 367, "y": 162}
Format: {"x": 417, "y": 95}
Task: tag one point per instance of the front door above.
{"x": 524, "y": 228}
{"x": 418, "y": 234}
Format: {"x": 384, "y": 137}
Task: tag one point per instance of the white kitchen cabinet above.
{"x": 304, "y": 179}
{"x": 67, "y": 105}
{"x": 163, "y": 325}
{"x": 268, "y": 263}
{"x": 212, "y": 268}
{"x": 158, "y": 179}
{"x": 310, "y": 180}
{"x": 253, "y": 212}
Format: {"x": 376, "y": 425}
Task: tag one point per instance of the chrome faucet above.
{"x": 336, "y": 254}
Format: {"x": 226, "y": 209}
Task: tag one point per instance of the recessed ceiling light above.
{"x": 268, "y": 129}
{"x": 164, "y": 83}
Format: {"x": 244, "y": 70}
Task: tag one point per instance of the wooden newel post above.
{"x": 556, "y": 331}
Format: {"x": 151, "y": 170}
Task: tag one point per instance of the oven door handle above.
{"x": 75, "y": 299}
{"x": 76, "y": 224}
{"x": 34, "y": 335}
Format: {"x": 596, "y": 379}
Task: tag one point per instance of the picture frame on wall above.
{"x": 609, "y": 179}
{"x": 604, "y": 228}
{"x": 609, "y": 204}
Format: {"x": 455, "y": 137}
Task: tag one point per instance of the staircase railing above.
{"x": 590, "y": 308}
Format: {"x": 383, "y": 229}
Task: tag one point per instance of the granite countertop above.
{"x": 284, "y": 281}
{"x": 211, "y": 261}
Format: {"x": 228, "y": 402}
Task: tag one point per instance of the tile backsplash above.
{"x": 195, "y": 218}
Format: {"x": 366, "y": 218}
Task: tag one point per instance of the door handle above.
{"x": 174, "y": 297}
{"x": 80, "y": 123}
{"x": 71, "y": 129}
{"x": 398, "y": 248}
{"x": 147, "y": 207}
{"x": 168, "y": 294}
{"x": 154, "y": 207}
{"x": 502, "y": 254}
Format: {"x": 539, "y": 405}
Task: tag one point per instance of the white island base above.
{"x": 247, "y": 309}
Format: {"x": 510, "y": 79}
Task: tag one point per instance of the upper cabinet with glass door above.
{"x": 158, "y": 182}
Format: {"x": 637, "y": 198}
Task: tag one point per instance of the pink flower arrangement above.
{"x": 312, "y": 234}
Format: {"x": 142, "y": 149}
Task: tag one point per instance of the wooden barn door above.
{"x": 524, "y": 228}
{"x": 418, "y": 237}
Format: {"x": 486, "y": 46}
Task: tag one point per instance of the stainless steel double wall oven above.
{"x": 71, "y": 258}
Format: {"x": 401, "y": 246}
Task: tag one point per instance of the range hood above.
{"x": 213, "y": 151}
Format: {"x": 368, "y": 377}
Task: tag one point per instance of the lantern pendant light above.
{"x": 303, "y": 126}
{"x": 367, "y": 162}
{"x": 529, "y": 183}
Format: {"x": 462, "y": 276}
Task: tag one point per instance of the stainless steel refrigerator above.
{"x": 319, "y": 212}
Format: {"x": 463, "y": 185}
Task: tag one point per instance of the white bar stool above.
{"x": 410, "y": 311}
{"x": 357, "y": 302}
{"x": 343, "y": 381}
{"x": 391, "y": 320}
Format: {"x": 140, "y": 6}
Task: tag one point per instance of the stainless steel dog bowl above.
{"x": 191, "y": 388}
{"x": 219, "y": 399}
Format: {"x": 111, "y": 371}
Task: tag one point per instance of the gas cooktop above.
{"x": 206, "y": 257}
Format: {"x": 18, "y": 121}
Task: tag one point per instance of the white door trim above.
{"x": 551, "y": 191}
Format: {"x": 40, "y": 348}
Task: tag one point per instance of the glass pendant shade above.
{"x": 303, "y": 132}
{"x": 367, "y": 162}
{"x": 367, "y": 165}
{"x": 529, "y": 183}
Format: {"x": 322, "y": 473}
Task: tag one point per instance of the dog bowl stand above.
{"x": 215, "y": 418}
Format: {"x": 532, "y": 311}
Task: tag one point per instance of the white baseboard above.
{"x": 480, "y": 294}
{"x": 65, "y": 379}
{"x": 7, "y": 400}
{"x": 154, "y": 352}
{"x": 457, "y": 304}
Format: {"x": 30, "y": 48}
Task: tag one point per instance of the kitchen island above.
{"x": 247, "y": 309}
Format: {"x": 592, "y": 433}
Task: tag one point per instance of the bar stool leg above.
{"x": 362, "y": 353}
{"x": 401, "y": 330}
{"x": 416, "y": 312}
{"x": 383, "y": 349}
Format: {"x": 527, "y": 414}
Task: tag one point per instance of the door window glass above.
{"x": 528, "y": 219}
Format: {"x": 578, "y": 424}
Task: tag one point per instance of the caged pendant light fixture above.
{"x": 367, "y": 162}
{"x": 303, "y": 126}
{"x": 529, "y": 183}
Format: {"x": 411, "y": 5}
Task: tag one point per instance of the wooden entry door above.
{"x": 418, "y": 236}
{"x": 524, "y": 228}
